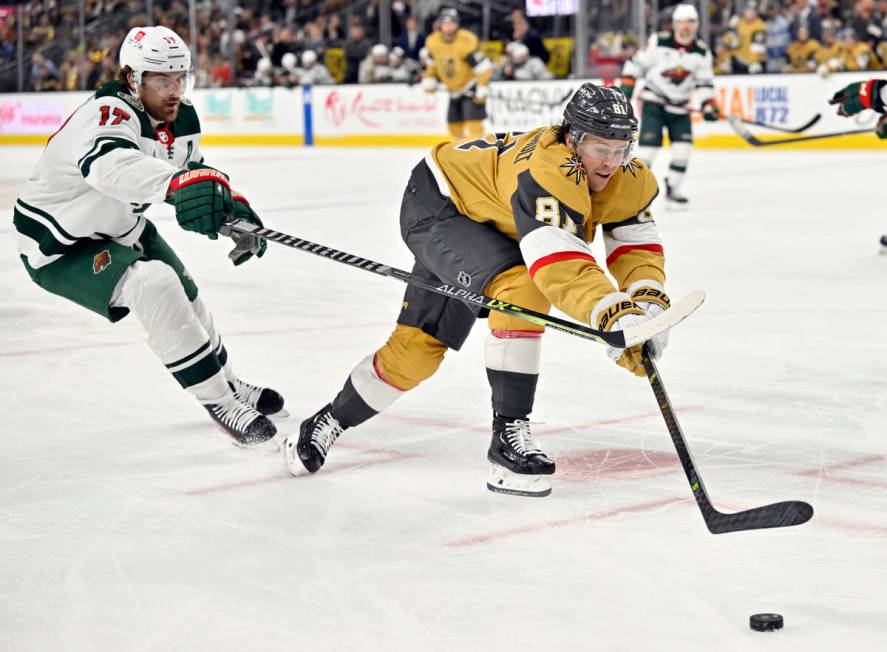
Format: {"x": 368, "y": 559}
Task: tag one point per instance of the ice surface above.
{"x": 127, "y": 522}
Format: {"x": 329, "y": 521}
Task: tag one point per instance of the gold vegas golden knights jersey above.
{"x": 456, "y": 63}
{"x": 802, "y": 55}
{"x": 752, "y": 41}
{"x": 859, "y": 57}
{"x": 532, "y": 189}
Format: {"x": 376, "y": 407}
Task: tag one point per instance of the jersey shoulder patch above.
{"x": 554, "y": 167}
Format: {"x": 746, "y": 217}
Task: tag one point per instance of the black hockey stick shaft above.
{"x": 615, "y": 338}
{"x": 812, "y": 121}
{"x": 751, "y": 139}
{"x": 784, "y": 514}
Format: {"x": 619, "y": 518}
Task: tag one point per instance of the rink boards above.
{"x": 399, "y": 115}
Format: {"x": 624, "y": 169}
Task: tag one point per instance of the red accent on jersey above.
{"x": 558, "y": 257}
{"x": 865, "y": 96}
{"x": 624, "y": 249}
{"x": 196, "y": 176}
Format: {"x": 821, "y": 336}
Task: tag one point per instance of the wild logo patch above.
{"x": 676, "y": 75}
{"x": 573, "y": 168}
{"x": 101, "y": 261}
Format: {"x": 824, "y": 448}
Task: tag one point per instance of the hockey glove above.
{"x": 202, "y": 197}
{"x": 480, "y": 95}
{"x": 653, "y": 300}
{"x": 245, "y": 244}
{"x": 710, "y": 111}
{"x": 615, "y": 312}
{"x": 857, "y": 96}
{"x": 881, "y": 129}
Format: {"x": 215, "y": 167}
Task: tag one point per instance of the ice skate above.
{"x": 674, "y": 200}
{"x": 245, "y": 425}
{"x": 519, "y": 466}
{"x": 263, "y": 399}
{"x": 884, "y": 245}
{"x": 310, "y": 447}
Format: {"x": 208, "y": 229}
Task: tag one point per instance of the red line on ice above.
{"x": 563, "y": 522}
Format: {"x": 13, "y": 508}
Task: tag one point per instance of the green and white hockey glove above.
{"x": 710, "y": 111}
{"x": 246, "y": 245}
{"x": 858, "y": 96}
{"x": 202, "y": 197}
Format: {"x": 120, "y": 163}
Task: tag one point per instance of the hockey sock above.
{"x": 206, "y": 320}
{"x": 512, "y": 359}
{"x": 153, "y": 292}
{"x": 648, "y": 154}
{"x": 364, "y": 395}
{"x": 677, "y": 169}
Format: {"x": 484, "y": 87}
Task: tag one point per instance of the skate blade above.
{"x": 503, "y": 481}
{"x": 291, "y": 456}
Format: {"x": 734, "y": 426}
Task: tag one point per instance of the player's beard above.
{"x": 164, "y": 109}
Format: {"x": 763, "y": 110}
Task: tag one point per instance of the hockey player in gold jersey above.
{"x": 512, "y": 216}
{"x": 458, "y": 63}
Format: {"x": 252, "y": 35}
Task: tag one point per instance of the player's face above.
{"x": 685, "y": 30}
{"x": 601, "y": 158}
{"x": 161, "y": 93}
{"x": 449, "y": 28}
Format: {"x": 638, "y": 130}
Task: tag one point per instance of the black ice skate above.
{"x": 242, "y": 422}
{"x": 884, "y": 245}
{"x": 674, "y": 199}
{"x": 519, "y": 465}
{"x": 316, "y": 437}
{"x": 263, "y": 399}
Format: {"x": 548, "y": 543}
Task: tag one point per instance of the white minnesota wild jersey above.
{"x": 99, "y": 172}
{"x": 672, "y": 71}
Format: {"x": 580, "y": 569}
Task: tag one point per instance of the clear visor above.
{"x": 605, "y": 151}
{"x": 168, "y": 83}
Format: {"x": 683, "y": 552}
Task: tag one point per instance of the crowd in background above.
{"x": 288, "y": 42}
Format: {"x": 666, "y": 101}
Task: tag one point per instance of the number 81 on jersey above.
{"x": 548, "y": 210}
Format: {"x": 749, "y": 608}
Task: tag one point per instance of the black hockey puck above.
{"x": 765, "y": 622}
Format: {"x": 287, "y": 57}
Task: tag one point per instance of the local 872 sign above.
{"x": 552, "y": 7}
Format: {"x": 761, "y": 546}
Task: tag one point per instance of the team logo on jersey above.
{"x": 101, "y": 261}
{"x": 630, "y": 166}
{"x": 165, "y": 137}
{"x": 573, "y": 168}
{"x": 464, "y": 279}
{"x": 676, "y": 75}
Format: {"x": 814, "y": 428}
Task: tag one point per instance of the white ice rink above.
{"x": 128, "y": 522}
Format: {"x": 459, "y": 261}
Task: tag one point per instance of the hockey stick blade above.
{"x": 751, "y": 139}
{"x": 812, "y": 121}
{"x": 633, "y": 336}
{"x": 784, "y": 514}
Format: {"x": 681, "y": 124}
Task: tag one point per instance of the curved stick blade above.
{"x": 784, "y": 514}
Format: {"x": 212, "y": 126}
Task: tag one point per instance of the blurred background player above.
{"x": 312, "y": 73}
{"x": 750, "y": 54}
{"x": 859, "y": 96}
{"x": 375, "y": 68}
{"x": 403, "y": 69}
{"x": 673, "y": 65}
{"x": 82, "y": 232}
{"x": 511, "y": 217}
{"x": 802, "y": 52}
{"x": 519, "y": 65}
{"x": 464, "y": 70}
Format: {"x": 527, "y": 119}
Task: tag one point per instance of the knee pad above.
{"x": 514, "y": 285}
{"x": 408, "y": 357}
{"x": 147, "y": 283}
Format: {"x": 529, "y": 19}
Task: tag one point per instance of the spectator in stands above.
{"x": 69, "y": 72}
{"x": 333, "y": 30}
{"x": 866, "y": 23}
{"x": 220, "y": 72}
{"x": 284, "y": 41}
{"x": 829, "y": 55}
{"x": 805, "y": 13}
{"x": 375, "y": 68}
{"x": 778, "y": 38}
{"x": 856, "y": 54}
{"x": 356, "y": 49}
{"x": 802, "y": 53}
{"x": 44, "y": 74}
{"x": 413, "y": 39}
{"x": 529, "y": 37}
{"x": 723, "y": 64}
{"x": 313, "y": 38}
{"x": 751, "y": 34}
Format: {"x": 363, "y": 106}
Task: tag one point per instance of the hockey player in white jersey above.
{"x": 83, "y": 235}
{"x": 672, "y": 66}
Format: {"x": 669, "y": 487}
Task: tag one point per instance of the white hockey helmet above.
{"x": 684, "y": 12}
{"x": 288, "y": 61}
{"x": 155, "y": 49}
{"x": 309, "y": 58}
{"x": 379, "y": 51}
{"x": 519, "y": 52}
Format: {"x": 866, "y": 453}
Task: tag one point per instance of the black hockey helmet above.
{"x": 448, "y": 13}
{"x": 602, "y": 111}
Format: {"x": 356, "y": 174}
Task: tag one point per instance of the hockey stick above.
{"x": 797, "y": 130}
{"x": 750, "y": 138}
{"x": 631, "y": 336}
{"x": 784, "y": 514}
